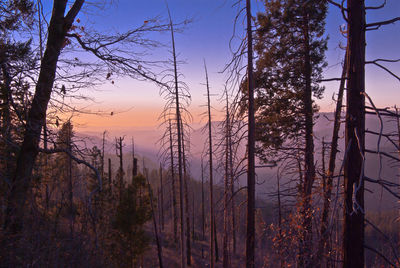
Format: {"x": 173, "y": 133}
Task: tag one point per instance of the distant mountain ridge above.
{"x": 147, "y": 145}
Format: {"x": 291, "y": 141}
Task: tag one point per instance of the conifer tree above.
{"x": 291, "y": 46}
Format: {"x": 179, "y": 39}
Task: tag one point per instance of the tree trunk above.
{"x": 185, "y": 188}
{"x": 161, "y": 198}
{"x": 118, "y": 147}
{"x": 21, "y": 181}
{"x": 175, "y": 211}
{"x": 179, "y": 133}
{"x": 158, "y": 242}
{"x": 353, "y": 229}
{"x": 226, "y": 255}
{"x": 202, "y": 210}
{"x": 109, "y": 176}
{"x": 251, "y": 192}
{"x": 324, "y": 234}
{"x": 210, "y": 152}
{"x": 305, "y": 254}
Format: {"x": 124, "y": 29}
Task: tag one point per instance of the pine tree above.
{"x": 291, "y": 45}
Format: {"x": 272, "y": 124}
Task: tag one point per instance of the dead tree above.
{"x": 202, "y": 209}
{"x": 227, "y": 188}
{"x": 120, "y": 174}
{"x": 102, "y": 153}
{"x": 158, "y": 241}
{"x": 250, "y": 225}
{"x": 210, "y": 154}
{"x": 353, "y": 228}
{"x": 323, "y": 247}
{"x": 179, "y": 139}
{"x": 185, "y": 188}
{"x": 109, "y": 176}
{"x": 175, "y": 212}
{"x": 134, "y": 161}
{"x": 161, "y": 197}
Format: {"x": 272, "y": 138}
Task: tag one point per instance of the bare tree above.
{"x": 210, "y": 154}
{"x": 251, "y": 192}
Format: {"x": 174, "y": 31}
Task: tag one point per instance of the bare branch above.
{"x": 377, "y": 25}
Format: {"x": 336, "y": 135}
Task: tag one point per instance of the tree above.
{"x": 17, "y": 61}
{"x": 291, "y": 48}
{"x": 61, "y": 33}
{"x": 353, "y": 210}
{"x": 58, "y": 27}
{"x": 210, "y": 155}
{"x": 251, "y": 172}
{"x": 133, "y": 211}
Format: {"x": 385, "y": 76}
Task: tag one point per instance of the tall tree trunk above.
{"x": 398, "y": 151}
{"x": 232, "y": 184}
{"x": 278, "y": 178}
{"x": 353, "y": 229}
{"x": 185, "y": 188}
{"x": 158, "y": 242}
{"x": 226, "y": 255}
{"x": 179, "y": 133}
{"x": 118, "y": 148}
{"x": 70, "y": 184}
{"x": 6, "y": 118}
{"x": 323, "y": 246}
{"x": 174, "y": 210}
{"x": 216, "y": 240}
{"x": 102, "y": 154}
{"x": 305, "y": 254}
{"x": 109, "y": 175}
{"x": 210, "y": 152}
{"x": 161, "y": 198}
{"x": 202, "y": 210}
{"x": 251, "y": 192}
{"x": 21, "y": 182}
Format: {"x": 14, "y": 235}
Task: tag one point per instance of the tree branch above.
{"x": 377, "y": 25}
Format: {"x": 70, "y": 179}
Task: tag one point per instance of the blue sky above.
{"x": 207, "y": 37}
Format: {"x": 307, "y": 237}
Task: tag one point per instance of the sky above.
{"x": 139, "y": 104}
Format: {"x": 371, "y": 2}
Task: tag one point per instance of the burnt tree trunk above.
{"x": 353, "y": 228}
{"x": 120, "y": 175}
{"x": 185, "y": 188}
{"x": 59, "y": 25}
{"x": 324, "y": 232}
{"x": 174, "y": 208}
{"x": 202, "y": 210}
{"x": 179, "y": 133}
{"x": 158, "y": 242}
{"x": 210, "y": 152}
{"x": 109, "y": 176}
{"x": 226, "y": 240}
{"x": 161, "y": 198}
{"x": 251, "y": 192}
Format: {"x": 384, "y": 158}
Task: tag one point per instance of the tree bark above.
{"x": 226, "y": 255}
{"x": 305, "y": 254}
{"x": 21, "y": 182}
{"x": 162, "y": 198}
{"x": 202, "y": 210}
{"x": 324, "y": 234}
{"x": 179, "y": 133}
{"x": 250, "y": 237}
{"x": 353, "y": 229}
{"x": 185, "y": 188}
{"x": 174, "y": 208}
{"x": 210, "y": 152}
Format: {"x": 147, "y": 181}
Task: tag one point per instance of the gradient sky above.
{"x": 207, "y": 37}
